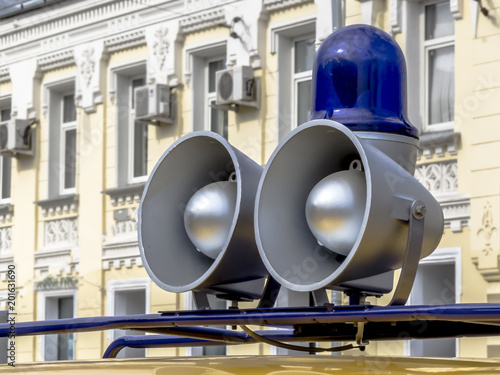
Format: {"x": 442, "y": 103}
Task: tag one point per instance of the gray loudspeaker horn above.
{"x": 196, "y": 220}
{"x": 331, "y": 205}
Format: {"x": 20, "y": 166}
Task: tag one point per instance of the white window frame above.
{"x": 53, "y": 95}
{"x": 65, "y": 127}
{"x": 425, "y": 47}
{"x": 5, "y": 101}
{"x": 210, "y": 96}
{"x": 281, "y": 42}
{"x": 42, "y": 298}
{"x": 451, "y": 255}
{"x": 196, "y": 58}
{"x": 121, "y": 285}
{"x": 131, "y": 137}
{"x": 298, "y": 78}
{"x": 130, "y": 70}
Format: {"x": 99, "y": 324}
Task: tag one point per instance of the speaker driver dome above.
{"x": 209, "y": 215}
{"x": 335, "y": 209}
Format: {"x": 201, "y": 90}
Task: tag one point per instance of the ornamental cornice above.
{"x": 4, "y": 75}
{"x": 54, "y": 261}
{"x": 41, "y": 27}
{"x": 56, "y": 60}
{"x": 125, "y": 41}
{"x": 127, "y": 194}
{"x": 116, "y": 255}
{"x": 272, "y": 5}
{"x": 456, "y": 212}
{"x": 203, "y": 20}
{"x": 438, "y": 143}
{"x": 59, "y": 205}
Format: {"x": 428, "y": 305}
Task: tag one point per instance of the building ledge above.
{"x": 456, "y": 211}
{"x": 59, "y": 205}
{"x": 6, "y": 212}
{"x": 439, "y": 142}
{"x": 118, "y": 254}
{"x": 58, "y": 260}
{"x": 125, "y": 194}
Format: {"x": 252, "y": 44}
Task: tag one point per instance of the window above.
{"x": 303, "y": 59}
{"x": 439, "y": 66}
{"x": 217, "y": 119}
{"x": 129, "y": 302}
{"x": 138, "y": 135}
{"x": 5, "y": 161}
{"x": 437, "y": 282}
{"x": 202, "y": 63}
{"x": 128, "y": 297}
{"x": 58, "y": 346}
{"x": 131, "y": 135}
{"x": 293, "y": 43}
{"x": 68, "y": 144}
{"x": 62, "y": 138}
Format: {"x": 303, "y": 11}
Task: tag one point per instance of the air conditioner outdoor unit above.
{"x": 16, "y": 137}
{"x": 236, "y": 85}
{"x": 152, "y": 103}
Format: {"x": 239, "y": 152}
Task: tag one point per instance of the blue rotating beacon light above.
{"x": 355, "y": 213}
{"x": 360, "y": 81}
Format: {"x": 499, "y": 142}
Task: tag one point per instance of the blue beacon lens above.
{"x": 359, "y": 80}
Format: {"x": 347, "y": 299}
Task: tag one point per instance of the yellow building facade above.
{"x": 68, "y": 211}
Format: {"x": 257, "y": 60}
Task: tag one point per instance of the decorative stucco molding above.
{"x": 61, "y": 232}
{"x": 123, "y": 23}
{"x": 194, "y": 5}
{"x": 36, "y": 29}
{"x": 160, "y": 46}
{"x": 125, "y": 225}
{"x": 56, "y": 60}
{"x": 122, "y": 249}
{"x": 438, "y": 143}
{"x": 202, "y": 21}
{"x": 5, "y": 261}
{"x": 456, "y": 212}
{"x": 163, "y": 66}
{"x": 90, "y": 82}
{"x": 58, "y": 206}
{"x": 4, "y": 75}
{"x": 57, "y": 262}
{"x": 271, "y": 5}
{"x": 117, "y": 255}
{"x": 55, "y": 42}
{"x": 5, "y": 242}
{"x": 25, "y": 76}
{"x": 485, "y": 237}
{"x": 441, "y": 179}
{"x": 438, "y": 178}
{"x": 125, "y": 41}
{"x": 127, "y": 194}
{"x": 6, "y": 213}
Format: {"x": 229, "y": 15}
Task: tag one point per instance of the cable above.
{"x": 283, "y": 345}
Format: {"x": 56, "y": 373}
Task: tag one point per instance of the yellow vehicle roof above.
{"x": 268, "y": 365}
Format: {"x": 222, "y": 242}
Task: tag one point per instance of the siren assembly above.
{"x": 196, "y": 220}
{"x": 336, "y": 206}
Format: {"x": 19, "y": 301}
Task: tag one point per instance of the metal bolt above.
{"x": 419, "y": 211}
